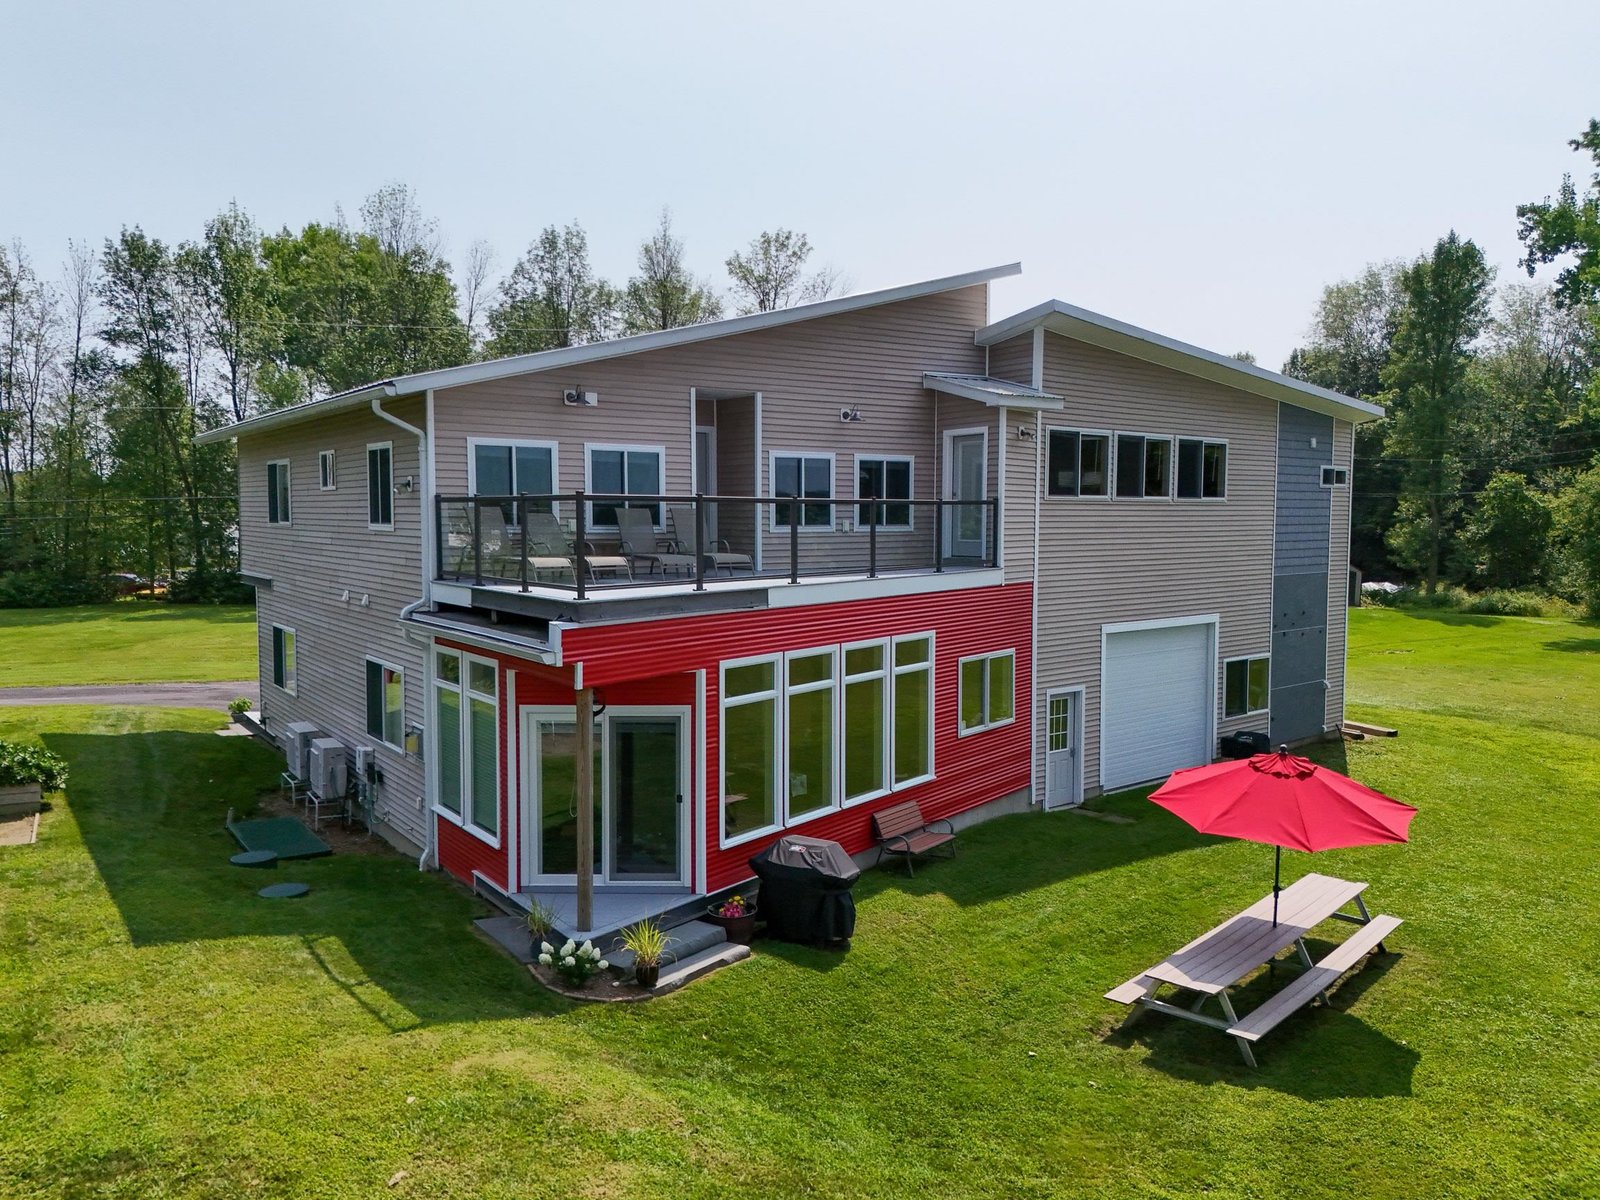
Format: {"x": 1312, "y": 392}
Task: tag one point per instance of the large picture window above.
{"x": 1078, "y": 464}
{"x": 1202, "y": 469}
{"x": 278, "y": 492}
{"x": 866, "y": 720}
{"x": 988, "y": 689}
{"x": 1245, "y": 686}
{"x": 386, "y": 703}
{"x": 625, "y": 471}
{"x": 1144, "y": 466}
{"x": 750, "y": 748}
{"x": 811, "y": 719}
{"x": 887, "y": 479}
{"x": 466, "y": 715}
{"x": 913, "y": 709}
{"x": 380, "y": 485}
{"x": 283, "y": 665}
{"x": 808, "y": 477}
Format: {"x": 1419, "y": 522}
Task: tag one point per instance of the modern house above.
{"x": 803, "y": 564}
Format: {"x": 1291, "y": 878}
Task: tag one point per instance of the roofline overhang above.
{"x": 1029, "y": 398}
{"x": 1096, "y": 329}
{"x": 575, "y": 356}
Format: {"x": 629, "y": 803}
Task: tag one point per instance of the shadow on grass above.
{"x": 1446, "y": 616}
{"x": 156, "y": 611}
{"x": 1574, "y": 645}
{"x": 1318, "y": 1053}
{"x": 150, "y": 809}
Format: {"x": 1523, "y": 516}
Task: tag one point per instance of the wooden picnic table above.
{"x": 1218, "y": 959}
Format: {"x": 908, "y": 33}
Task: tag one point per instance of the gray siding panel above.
{"x": 1344, "y": 446}
{"x": 1301, "y": 555}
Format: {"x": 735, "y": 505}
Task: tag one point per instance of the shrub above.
{"x": 44, "y": 589}
{"x": 1506, "y": 603}
{"x": 238, "y": 706}
{"x": 574, "y": 963}
{"x": 23, "y": 765}
{"x": 211, "y": 587}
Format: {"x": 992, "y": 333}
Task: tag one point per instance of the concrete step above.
{"x": 687, "y": 940}
{"x": 696, "y": 965}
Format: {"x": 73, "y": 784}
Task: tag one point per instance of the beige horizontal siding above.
{"x": 1339, "y": 574}
{"x": 1012, "y": 360}
{"x": 326, "y": 552}
{"x": 1108, "y": 561}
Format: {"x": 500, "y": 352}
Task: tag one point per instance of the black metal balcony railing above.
{"x": 579, "y": 541}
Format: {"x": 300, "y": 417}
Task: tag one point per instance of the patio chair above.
{"x": 719, "y": 552}
{"x": 640, "y": 544}
{"x": 546, "y": 537}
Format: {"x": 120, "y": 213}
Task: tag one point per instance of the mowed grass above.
{"x": 165, "y": 1033}
{"x": 131, "y": 641}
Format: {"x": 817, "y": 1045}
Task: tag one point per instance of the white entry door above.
{"x": 1063, "y": 754}
{"x": 966, "y": 480}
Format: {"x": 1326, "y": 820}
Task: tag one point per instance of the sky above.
{"x": 1201, "y": 170}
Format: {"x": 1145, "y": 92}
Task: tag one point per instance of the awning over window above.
{"x": 997, "y": 393}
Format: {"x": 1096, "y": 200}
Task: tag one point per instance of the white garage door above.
{"x": 1156, "y": 700}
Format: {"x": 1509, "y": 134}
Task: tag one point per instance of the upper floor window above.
{"x": 625, "y": 471}
{"x": 327, "y": 480}
{"x": 1079, "y": 464}
{"x": 884, "y": 479}
{"x": 1144, "y": 466}
{"x": 1202, "y": 469}
{"x": 380, "y": 485}
{"x": 278, "y": 492}
{"x": 283, "y": 668}
{"x": 808, "y": 477}
{"x": 1335, "y": 476}
{"x": 512, "y": 468}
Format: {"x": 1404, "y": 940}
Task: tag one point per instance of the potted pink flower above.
{"x": 737, "y": 916}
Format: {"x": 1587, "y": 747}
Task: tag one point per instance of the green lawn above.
{"x": 131, "y": 641}
{"x": 164, "y": 1033}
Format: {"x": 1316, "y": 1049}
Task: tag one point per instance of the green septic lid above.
{"x": 284, "y": 891}
{"x": 255, "y": 858}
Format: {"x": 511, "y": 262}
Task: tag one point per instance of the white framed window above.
{"x": 1144, "y": 466}
{"x": 611, "y": 470}
{"x": 866, "y": 742}
{"x": 466, "y": 712}
{"x": 1335, "y": 477}
{"x": 810, "y": 732}
{"x": 988, "y": 691}
{"x": 750, "y": 747}
{"x": 1246, "y": 686}
{"x": 380, "y": 485}
{"x": 283, "y": 659}
{"x": 327, "y": 475}
{"x": 509, "y": 467}
{"x": 888, "y": 480}
{"x": 1078, "y": 463}
{"x": 278, "y": 492}
{"x": 1202, "y": 469}
{"x": 807, "y": 477}
{"x": 912, "y": 701}
{"x": 386, "y": 704}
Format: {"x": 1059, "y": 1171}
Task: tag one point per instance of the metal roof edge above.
{"x": 1069, "y": 320}
{"x": 1007, "y": 395}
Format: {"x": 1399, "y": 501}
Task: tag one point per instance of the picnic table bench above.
{"x": 902, "y": 829}
{"x": 1216, "y": 960}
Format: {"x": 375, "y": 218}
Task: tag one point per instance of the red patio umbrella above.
{"x": 1283, "y": 800}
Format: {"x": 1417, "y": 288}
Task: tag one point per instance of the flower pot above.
{"x": 740, "y": 930}
{"x": 646, "y": 976}
{"x": 28, "y": 798}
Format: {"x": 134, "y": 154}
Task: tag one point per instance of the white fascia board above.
{"x": 1096, "y": 329}
{"x": 576, "y": 356}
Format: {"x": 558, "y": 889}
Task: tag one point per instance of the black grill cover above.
{"x": 805, "y": 890}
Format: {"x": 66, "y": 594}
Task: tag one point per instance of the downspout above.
{"x": 429, "y": 849}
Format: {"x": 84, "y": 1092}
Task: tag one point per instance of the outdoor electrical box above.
{"x": 298, "y": 736}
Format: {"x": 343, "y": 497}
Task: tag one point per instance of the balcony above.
{"x": 589, "y": 546}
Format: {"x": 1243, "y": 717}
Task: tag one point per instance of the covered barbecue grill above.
{"x": 805, "y": 890}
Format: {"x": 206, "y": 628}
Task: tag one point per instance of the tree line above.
{"x": 110, "y": 367}
{"x": 1486, "y": 471}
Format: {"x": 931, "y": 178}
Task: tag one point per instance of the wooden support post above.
{"x": 584, "y": 788}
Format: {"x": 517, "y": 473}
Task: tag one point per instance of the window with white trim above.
{"x": 278, "y": 492}
{"x": 380, "y": 485}
{"x": 811, "y": 719}
{"x": 1078, "y": 463}
{"x": 913, "y": 708}
{"x": 1335, "y": 476}
{"x": 1202, "y": 469}
{"x": 866, "y": 722}
{"x": 807, "y": 477}
{"x": 1144, "y": 466}
{"x": 386, "y": 703}
{"x": 283, "y": 668}
{"x": 327, "y": 478}
{"x": 1246, "y": 686}
{"x": 750, "y": 747}
{"x": 887, "y": 479}
{"x": 625, "y": 471}
{"x": 988, "y": 691}
{"x": 467, "y": 723}
{"x": 514, "y": 469}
